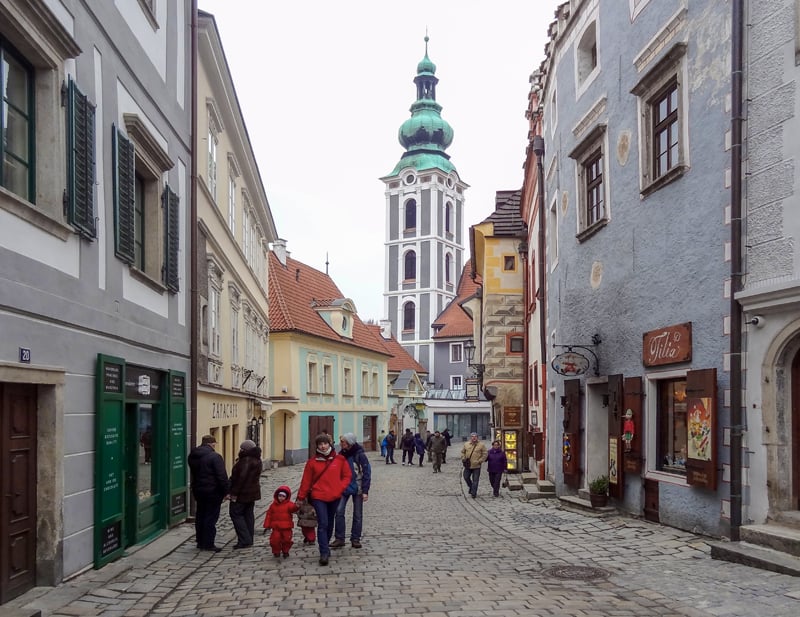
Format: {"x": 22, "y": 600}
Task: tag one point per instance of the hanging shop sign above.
{"x": 570, "y": 364}
{"x": 669, "y": 345}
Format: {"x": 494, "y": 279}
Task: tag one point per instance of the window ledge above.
{"x": 669, "y": 177}
{"x": 148, "y": 280}
{"x": 14, "y": 204}
{"x": 592, "y": 230}
{"x": 671, "y": 478}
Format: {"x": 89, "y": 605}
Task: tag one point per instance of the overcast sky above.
{"x": 324, "y": 86}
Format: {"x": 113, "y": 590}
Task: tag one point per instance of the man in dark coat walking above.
{"x": 245, "y": 491}
{"x": 447, "y": 443}
{"x": 210, "y": 485}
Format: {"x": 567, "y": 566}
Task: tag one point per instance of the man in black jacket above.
{"x": 210, "y": 485}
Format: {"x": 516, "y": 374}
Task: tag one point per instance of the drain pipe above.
{"x": 193, "y": 288}
{"x": 538, "y": 149}
{"x": 737, "y": 95}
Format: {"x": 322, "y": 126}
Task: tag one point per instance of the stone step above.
{"x": 756, "y": 556}
{"x": 576, "y": 504}
{"x": 772, "y": 535}
{"x": 529, "y": 478}
{"x": 534, "y": 491}
{"x": 545, "y": 486}
{"x": 19, "y": 612}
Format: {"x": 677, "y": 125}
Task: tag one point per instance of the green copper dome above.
{"x": 425, "y": 135}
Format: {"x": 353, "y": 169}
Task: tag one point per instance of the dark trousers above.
{"x": 205, "y": 521}
{"x": 389, "y": 455}
{"x": 326, "y": 519}
{"x": 421, "y": 458}
{"x": 494, "y": 480}
{"x": 409, "y": 454}
{"x": 243, "y": 519}
{"x": 472, "y": 477}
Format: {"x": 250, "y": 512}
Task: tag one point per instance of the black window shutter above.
{"x": 124, "y": 186}
{"x": 81, "y": 161}
{"x": 170, "y": 203}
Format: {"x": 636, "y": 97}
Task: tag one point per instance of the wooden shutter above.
{"x": 124, "y": 198}
{"x": 701, "y": 424}
{"x": 632, "y": 461}
{"x": 571, "y": 437}
{"x": 80, "y": 161}
{"x": 170, "y": 203}
{"x": 616, "y": 479}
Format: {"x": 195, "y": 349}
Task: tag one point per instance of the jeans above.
{"x": 383, "y": 451}
{"x": 358, "y": 517}
{"x": 494, "y": 480}
{"x": 326, "y": 515}
{"x": 243, "y": 521}
{"x": 471, "y": 477}
{"x": 390, "y": 455}
{"x": 205, "y": 519}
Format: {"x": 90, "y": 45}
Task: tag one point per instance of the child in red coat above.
{"x": 279, "y": 518}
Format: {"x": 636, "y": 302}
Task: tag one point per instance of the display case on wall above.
{"x": 510, "y": 443}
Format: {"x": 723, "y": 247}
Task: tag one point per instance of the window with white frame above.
{"x": 456, "y": 382}
{"x": 586, "y": 62}
{"x": 411, "y": 214}
{"x": 375, "y": 391}
{"x": 409, "y": 316}
{"x": 448, "y": 269}
{"x": 213, "y": 321}
{"x": 214, "y": 129}
{"x": 246, "y": 232}
{"x": 662, "y": 95}
{"x": 364, "y": 382}
{"x": 591, "y": 185}
{"x": 232, "y": 203}
{"x": 456, "y": 352}
{"x": 327, "y": 379}
{"x": 410, "y": 266}
{"x": 347, "y": 381}
{"x": 313, "y": 377}
{"x": 552, "y": 233}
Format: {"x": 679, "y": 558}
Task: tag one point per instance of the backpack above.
{"x": 354, "y": 488}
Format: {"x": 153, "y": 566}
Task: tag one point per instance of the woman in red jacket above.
{"x": 325, "y": 478}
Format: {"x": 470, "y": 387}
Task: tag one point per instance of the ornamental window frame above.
{"x": 591, "y": 182}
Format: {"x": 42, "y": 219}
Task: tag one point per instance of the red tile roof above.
{"x": 295, "y": 290}
{"x": 453, "y": 320}
{"x": 400, "y": 359}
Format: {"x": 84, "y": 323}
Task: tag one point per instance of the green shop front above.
{"x": 140, "y": 464}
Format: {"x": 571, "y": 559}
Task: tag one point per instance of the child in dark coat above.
{"x": 307, "y": 520}
{"x": 279, "y": 519}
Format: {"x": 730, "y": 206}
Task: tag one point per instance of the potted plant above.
{"x": 598, "y": 491}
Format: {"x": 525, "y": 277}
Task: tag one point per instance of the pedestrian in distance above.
{"x": 146, "y": 440}
{"x": 436, "y": 450}
{"x": 419, "y": 447}
{"x": 391, "y": 444}
{"x": 358, "y": 490}
{"x": 473, "y": 454}
{"x": 210, "y": 485}
{"x": 496, "y": 465}
{"x": 325, "y": 477}
{"x": 407, "y": 443}
{"x": 280, "y": 520}
{"x": 428, "y": 447}
{"x": 245, "y": 491}
{"x": 447, "y": 443}
{"x": 307, "y": 521}
{"x": 383, "y": 444}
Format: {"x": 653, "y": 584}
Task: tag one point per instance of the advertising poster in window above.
{"x": 613, "y": 460}
{"x": 700, "y": 429}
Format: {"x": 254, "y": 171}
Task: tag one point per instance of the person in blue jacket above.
{"x": 358, "y": 489}
{"x": 419, "y": 447}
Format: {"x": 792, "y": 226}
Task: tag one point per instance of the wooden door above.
{"x": 572, "y": 436}
{"x": 369, "y": 428}
{"x": 795, "y": 445}
{"x": 17, "y": 489}
{"x": 317, "y": 425}
{"x": 616, "y": 479}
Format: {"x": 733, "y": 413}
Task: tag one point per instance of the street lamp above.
{"x": 469, "y": 350}
{"x": 254, "y": 429}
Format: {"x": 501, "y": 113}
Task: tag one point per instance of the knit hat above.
{"x": 282, "y": 494}
{"x": 247, "y": 444}
{"x": 350, "y": 438}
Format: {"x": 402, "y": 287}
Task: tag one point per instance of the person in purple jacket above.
{"x": 497, "y": 463}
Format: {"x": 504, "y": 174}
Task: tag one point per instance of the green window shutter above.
{"x": 170, "y": 202}
{"x": 124, "y": 200}
{"x": 80, "y": 161}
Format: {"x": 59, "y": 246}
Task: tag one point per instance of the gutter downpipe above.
{"x": 193, "y": 250}
{"x": 526, "y": 425}
{"x": 538, "y": 150}
{"x": 737, "y": 92}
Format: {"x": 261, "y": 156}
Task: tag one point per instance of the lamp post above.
{"x": 254, "y": 429}
{"x": 469, "y": 350}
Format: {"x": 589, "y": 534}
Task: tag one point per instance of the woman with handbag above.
{"x": 496, "y": 466}
{"x": 325, "y": 477}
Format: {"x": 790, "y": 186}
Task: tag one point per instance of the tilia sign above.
{"x": 669, "y": 345}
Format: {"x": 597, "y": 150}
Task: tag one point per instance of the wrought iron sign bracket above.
{"x": 595, "y": 342}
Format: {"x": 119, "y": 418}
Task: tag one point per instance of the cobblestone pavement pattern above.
{"x": 430, "y": 550}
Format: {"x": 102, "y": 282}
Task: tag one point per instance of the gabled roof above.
{"x": 296, "y": 291}
{"x": 454, "y": 321}
{"x": 401, "y": 360}
{"x": 506, "y": 217}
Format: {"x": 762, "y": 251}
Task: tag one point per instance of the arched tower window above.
{"x": 409, "y": 314}
{"x": 448, "y": 217}
{"x": 411, "y": 214}
{"x": 410, "y": 266}
{"x": 448, "y": 266}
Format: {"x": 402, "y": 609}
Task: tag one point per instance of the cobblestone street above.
{"x": 428, "y": 550}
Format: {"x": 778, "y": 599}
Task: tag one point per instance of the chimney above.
{"x": 279, "y": 248}
{"x": 386, "y": 328}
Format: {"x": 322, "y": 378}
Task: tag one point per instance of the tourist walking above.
{"x": 407, "y": 443}
{"x": 436, "y": 449}
{"x": 496, "y": 465}
{"x": 245, "y": 491}
{"x": 358, "y": 489}
{"x": 419, "y": 446}
{"x": 325, "y": 477}
{"x": 447, "y": 443}
{"x": 473, "y": 454}
{"x": 391, "y": 444}
{"x": 210, "y": 485}
{"x": 383, "y": 444}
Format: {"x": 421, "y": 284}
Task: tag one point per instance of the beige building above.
{"x": 235, "y": 226}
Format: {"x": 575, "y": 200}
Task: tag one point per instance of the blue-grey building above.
{"x": 95, "y": 179}
{"x": 636, "y": 103}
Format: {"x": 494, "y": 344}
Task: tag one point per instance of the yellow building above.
{"x": 497, "y": 244}
{"x": 235, "y": 226}
{"x": 328, "y": 369}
